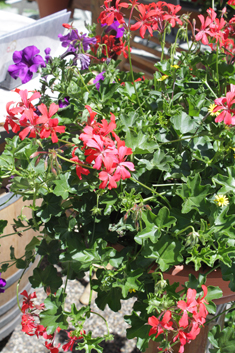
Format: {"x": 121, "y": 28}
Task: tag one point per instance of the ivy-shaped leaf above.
{"x": 47, "y": 278}
{"x": 62, "y": 186}
{"x": 193, "y": 193}
{"x": 52, "y": 317}
{"x": 227, "y": 182}
{"x": 154, "y": 225}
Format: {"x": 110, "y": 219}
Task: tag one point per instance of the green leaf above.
{"x": 47, "y": 278}
{"x": 166, "y": 252}
{"x": 193, "y": 193}
{"x": 154, "y": 225}
{"x": 227, "y": 182}
{"x": 33, "y": 243}
{"x": 50, "y": 207}
{"x": 183, "y": 124}
{"x": 138, "y": 326}
{"x": 52, "y": 317}
{"x": 91, "y": 344}
{"x": 224, "y": 340}
{"x": 160, "y": 161}
{"x": 139, "y": 143}
{"x": 111, "y": 298}
{"x": 2, "y": 225}
{"x": 62, "y": 186}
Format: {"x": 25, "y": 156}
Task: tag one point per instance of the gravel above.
{"x": 19, "y": 342}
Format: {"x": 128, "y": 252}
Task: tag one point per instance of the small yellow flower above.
{"x": 221, "y": 200}
{"x": 175, "y": 66}
{"x": 132, "y": 290}
{"x": 211, "y": 108}
{"x": 164, "y": 77}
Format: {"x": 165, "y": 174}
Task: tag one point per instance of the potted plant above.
{"x": 134, "y": 173}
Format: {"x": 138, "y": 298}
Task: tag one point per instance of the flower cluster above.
{"x": 108, "y": 155}
{"x": 215, "y": 31}
{"x": 192, "y": 312}
{"x": 31, "y": 327}
{"x": 23, "y": 116}
{"x": 152, "y": 17}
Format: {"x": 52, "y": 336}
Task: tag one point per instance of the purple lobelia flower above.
{"x": 2, "y": 284}
{"x": 64, "y": 103}
{"x": 115, "y": 27}
{"x": 99, "y": 77}
{"x": 26, "y": 63}
{"x": 84, "y": 60}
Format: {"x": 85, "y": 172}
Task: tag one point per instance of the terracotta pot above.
{"x": 180, "y": 274}
{"x": 47, "y": 8}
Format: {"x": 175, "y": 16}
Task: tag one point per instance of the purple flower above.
{"x": 2, "y": 284}
{"x": 47, "y": 57}
{"x": 69, "y": 40}
{"x": 98, "y": 78}
{"x": 87, "y": 41}
{"x": 84, "y": 60}
{"x": 73, "y": 40}
{"x": 64, "y": 103}
{"x": 26, "y": 63}
{"x": 115, "y": 27}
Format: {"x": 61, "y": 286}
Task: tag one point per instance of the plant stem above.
{"x": 106, "y": 323}
{"x": 73, "y": 162}
{"x": 79, "y": 75}
{"x": 90, "y": 278}
{"x": 206, "y": 83}
{"x": 7, "y": 235}
{"x": 66, "y": 281}
{"x": 163, "y": 44}
{"x": 152, "y": 190}
{"x": 132, "y": 75}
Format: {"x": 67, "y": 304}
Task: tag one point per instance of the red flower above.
{"x": 10, "y": 119}
{"x": 144, "y": 21}
{"x": 28, "y": 325}
{"x": 66, "y": 25}
{"x": 189, "y": 306}
{"x": 107, "y": 177}
{"x": 159, "y": 326}
{"x": 121, "y": 171}
{"x": 27, "y": 301}
{"x": 79, "y": 169}
{"x": 172, "y": 18}
{"x": 32, "y": 122}
{"x": 110, "y": 13}
{"x": 51, "y": 348}
{"x": 72, "y": 341}
{"x": 51, "y": 126}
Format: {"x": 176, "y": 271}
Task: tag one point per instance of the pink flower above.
{"x": 79, "y": 169}
{"x": 189, "y": 306}
{"x": 159, "y": 326}
{"x": 108, "y": 178}
{"x": 51, "y": 126}
{"x": 226, "y": 105}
